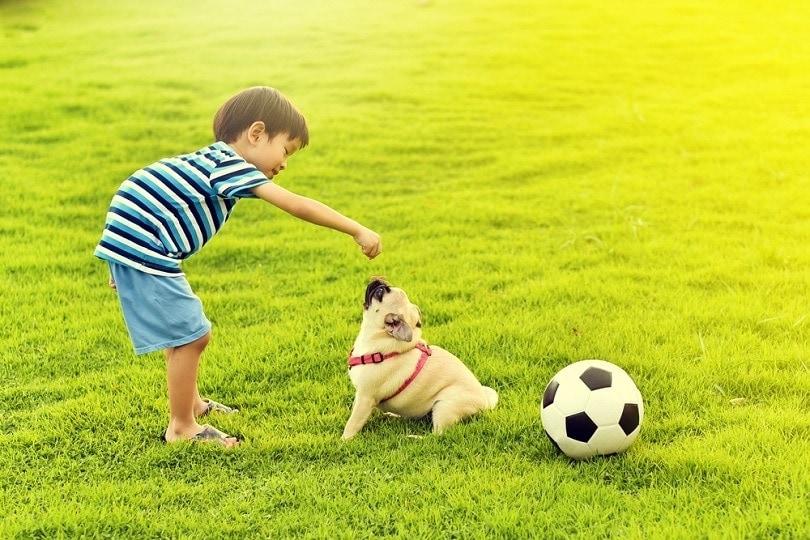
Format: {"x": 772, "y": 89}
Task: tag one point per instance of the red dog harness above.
{"x": 377, "y": 358}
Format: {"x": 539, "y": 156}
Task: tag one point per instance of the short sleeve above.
{"x": 236, "y": 178}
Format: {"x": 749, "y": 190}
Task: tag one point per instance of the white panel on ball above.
{"x": 553, "y": 422}
{"x": 575, "y": 449}
{"x": 571, "y": 398}
{"x": 603, "y": 407}
{"x": 608, "y": 440}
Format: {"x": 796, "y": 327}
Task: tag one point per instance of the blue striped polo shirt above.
{"x": 167, "y": 211}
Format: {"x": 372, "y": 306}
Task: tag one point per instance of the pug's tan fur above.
{"x": 445, "y": 386}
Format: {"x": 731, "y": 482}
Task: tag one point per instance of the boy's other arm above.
{"x": 318, "y": 213}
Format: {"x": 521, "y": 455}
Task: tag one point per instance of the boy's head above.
{"x": 260, "y": 104}
{"x": 264, "y": 127}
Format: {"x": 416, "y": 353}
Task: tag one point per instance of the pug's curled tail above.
{"x": 491, "y": 397}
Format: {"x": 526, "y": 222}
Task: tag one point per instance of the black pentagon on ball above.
{"x": 596, "y": 378}
{"x": 580, "y": 427}
{"x": 551, "y": 391}
{"x": 629, "y": 419}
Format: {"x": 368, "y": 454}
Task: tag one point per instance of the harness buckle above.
{"x": 377, "y": 357}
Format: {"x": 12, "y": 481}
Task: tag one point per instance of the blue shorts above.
{"x": 159, "y": 311}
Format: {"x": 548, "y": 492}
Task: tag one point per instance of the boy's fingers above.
{"x": 372, "y": 251}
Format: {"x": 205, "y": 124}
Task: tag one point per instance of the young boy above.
{"x": 167, "y": 211}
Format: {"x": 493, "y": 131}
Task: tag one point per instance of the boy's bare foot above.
{"x": 204, "y": 434}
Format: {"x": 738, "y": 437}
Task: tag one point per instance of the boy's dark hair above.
{"x": 260, "y": 103}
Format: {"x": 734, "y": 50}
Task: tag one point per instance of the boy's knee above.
{"x": 204, "y": 341}
{"x": 199, "y": 343}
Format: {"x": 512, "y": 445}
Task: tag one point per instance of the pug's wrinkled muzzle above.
{"x": 376, "y": 290}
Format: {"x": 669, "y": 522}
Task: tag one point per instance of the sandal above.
{"x": 212, "y": 405}
{"x": 212, "y": 434}
{"x": 208, "y": 434}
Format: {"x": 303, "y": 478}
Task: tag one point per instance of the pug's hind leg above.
{"x": 448, "y": 412}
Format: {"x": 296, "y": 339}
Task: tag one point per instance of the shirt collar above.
{"x": 225, "y": 148}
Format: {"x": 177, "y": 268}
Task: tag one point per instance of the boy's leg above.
{"x": 182, "y": 364}
{"x": 199, "y": 404}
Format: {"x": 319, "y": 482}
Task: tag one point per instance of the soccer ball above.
{"x": 592, "y": 407}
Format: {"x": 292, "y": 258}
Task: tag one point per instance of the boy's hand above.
{"x": 369, "y": 242}
{"x": 112, "y": 283}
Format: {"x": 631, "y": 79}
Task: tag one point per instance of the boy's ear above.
{"x": 255, "y": 131}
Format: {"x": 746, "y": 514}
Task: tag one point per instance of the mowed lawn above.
{"x": 553, "y": 181}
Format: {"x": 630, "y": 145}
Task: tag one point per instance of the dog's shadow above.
{"x": 422, "y": 426}
{"x": 410, "y": 427}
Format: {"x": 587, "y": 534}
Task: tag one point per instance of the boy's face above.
{"x": 269, "y": 154}
{"x": 273, "y": 152}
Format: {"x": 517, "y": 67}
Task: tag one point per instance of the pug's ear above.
{"x": 397, "y": 328}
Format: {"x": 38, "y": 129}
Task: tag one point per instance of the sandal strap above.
{"x": 210, "y": 433}
{"x": 212, "y": 405}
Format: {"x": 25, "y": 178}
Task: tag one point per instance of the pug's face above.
{"x": 388, "y": 309}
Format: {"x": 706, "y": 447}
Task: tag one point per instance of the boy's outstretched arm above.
{"x": 318, "y": 213}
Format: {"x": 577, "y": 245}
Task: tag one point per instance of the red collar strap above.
{"x": 373, "y": 358}
{"x": 376, "y": 358}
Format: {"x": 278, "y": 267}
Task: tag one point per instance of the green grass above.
{"x": 553, "y": 181}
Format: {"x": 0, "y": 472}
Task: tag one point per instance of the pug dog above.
{"x": 394, "y": 369}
